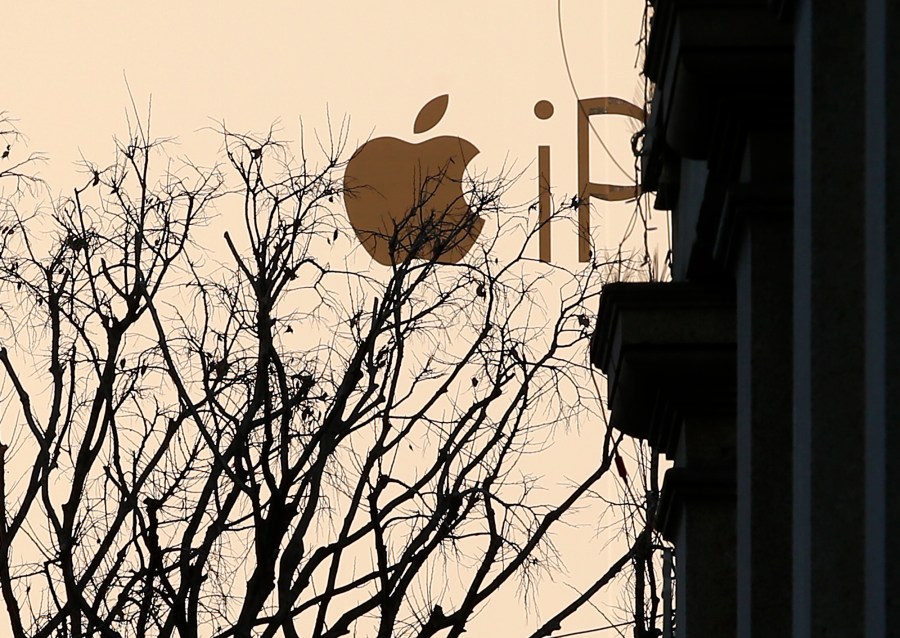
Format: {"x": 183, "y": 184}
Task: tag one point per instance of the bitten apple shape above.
{"x": 406, "y": 200}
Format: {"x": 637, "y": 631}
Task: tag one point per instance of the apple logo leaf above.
{"x": 431, "y": 114}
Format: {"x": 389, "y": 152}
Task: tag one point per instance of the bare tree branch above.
{"x": 254, "y": 441}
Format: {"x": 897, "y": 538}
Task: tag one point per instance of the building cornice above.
{"x": 668, "y": 350}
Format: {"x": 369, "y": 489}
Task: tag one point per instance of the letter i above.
{"x": 544, "y": 110}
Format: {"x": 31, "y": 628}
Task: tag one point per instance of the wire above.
{"x": 597, "y": 629}
{"x": 562, "y": 44}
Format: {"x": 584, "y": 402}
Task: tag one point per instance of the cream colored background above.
{"x": 251, "y": 64}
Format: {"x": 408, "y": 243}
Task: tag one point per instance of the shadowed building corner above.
{"x": 765, "y": 369}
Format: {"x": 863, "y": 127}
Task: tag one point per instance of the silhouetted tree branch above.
{"x": 254, "y": 441}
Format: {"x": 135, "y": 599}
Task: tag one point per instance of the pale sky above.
{"x": 252, "y": 64}
{"x": 65, "y": 65}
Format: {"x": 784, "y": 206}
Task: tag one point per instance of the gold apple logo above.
{"x": 405, "y": 200}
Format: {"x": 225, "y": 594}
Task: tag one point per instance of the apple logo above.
{"x": 405, "y": 200}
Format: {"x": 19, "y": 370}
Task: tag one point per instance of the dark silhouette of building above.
{"x": 768, "y": 369}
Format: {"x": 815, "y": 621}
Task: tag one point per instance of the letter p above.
{"x": 587, "y": 189}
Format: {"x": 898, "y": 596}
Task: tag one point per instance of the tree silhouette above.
{"x": 257, "y": 442}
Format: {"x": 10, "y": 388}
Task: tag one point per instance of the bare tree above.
{"x": 16, "y": 167}
{"x": 267, "y": 443}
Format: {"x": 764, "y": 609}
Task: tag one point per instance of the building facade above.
{"x": 768, "y": 369}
